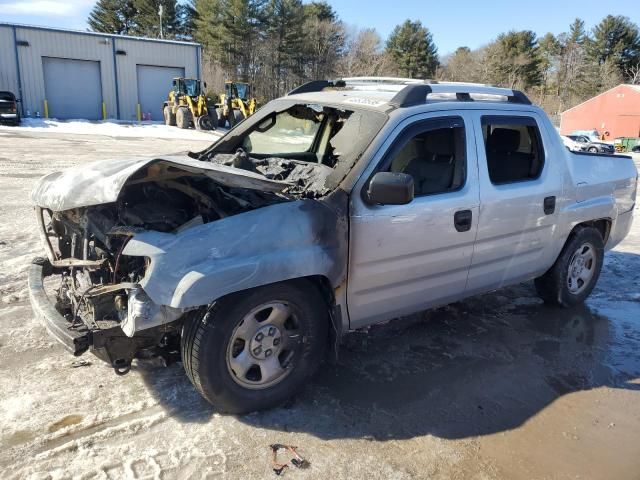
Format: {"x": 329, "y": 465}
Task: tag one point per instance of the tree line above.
{"x": 278, "y": 44}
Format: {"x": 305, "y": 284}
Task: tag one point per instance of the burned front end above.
{"x": 87, "y": 291}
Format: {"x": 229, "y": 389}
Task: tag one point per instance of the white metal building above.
{"x": 72, "y": 74}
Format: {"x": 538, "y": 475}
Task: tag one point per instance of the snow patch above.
{"x": 111, "y": 128}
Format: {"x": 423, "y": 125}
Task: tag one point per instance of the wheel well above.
{"x": 325, "y": 288}
{"x": 603, "y": 226}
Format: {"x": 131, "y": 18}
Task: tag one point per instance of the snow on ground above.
{"x": 110, "y": 128}
{"x": 498, "y": 386}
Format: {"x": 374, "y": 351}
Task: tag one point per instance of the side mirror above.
{"x": 205, "y": 85}
{"x": 390, "y": 188}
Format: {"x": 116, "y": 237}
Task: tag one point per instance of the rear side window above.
{"x": 433, "y": 153}
{"x": 514, "y": 148}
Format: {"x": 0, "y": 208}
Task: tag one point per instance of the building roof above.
{"x": 97, "y": 34}
{"x": 635, "y": 88}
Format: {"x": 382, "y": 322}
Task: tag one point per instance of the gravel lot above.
{"x": 498, "y": 386}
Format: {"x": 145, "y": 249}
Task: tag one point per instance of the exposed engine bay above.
{"x": 96, "y": 286}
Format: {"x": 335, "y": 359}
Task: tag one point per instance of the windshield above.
{"x": 312, "y": 133}
{"x": 192, "y": 87}
{"x": 242, "y": 90}
{"x": 310, "y": 146}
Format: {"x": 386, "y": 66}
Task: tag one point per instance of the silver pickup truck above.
{"x": 340, "y": 205}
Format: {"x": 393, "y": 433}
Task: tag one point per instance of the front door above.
{"x": 405, "y": 258}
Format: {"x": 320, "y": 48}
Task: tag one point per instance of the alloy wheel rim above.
{"x": 582, "y": 267}
{"x": 263, "y": 346}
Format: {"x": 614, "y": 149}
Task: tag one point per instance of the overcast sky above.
{"x": 453, "y": 24}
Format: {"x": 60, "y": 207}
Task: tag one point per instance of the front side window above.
{"x": 434, "y": 156}
{"x": 513, "y": 148}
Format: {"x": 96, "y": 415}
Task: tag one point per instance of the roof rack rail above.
{"x": 317, "y": 86}
{"x": 416, "y": 94}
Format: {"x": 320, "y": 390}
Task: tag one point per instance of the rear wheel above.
{"x": 574, "y": 274}
{"x": 169, "y": 117}
{"x": 253, "y": 350}
{"x": 183, "y": 118}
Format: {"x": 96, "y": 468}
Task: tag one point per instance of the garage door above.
{"x": 73, "y": 88}
{"x": 154, "y": 84}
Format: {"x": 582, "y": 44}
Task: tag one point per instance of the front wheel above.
{"x": 253, "y": 350}
{"x": 574, "y": 274}
{"x": 169, "y": 117}
{"x": 183, "y": 118}
{"x": 592, "y": 150}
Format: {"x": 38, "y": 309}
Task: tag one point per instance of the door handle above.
{"x": 462, "y": 220}
{"x": 549, "y": 205}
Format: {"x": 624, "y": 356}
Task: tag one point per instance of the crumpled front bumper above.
{"x": 109, "y": 344}
{"x": 76, "y": 340}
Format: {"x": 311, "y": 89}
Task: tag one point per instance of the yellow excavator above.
{"x": 236, "y": 103}
{"x": 187, "y": 106}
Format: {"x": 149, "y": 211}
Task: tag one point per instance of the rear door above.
{"x": 404, "y": 258}
{"x": 520, "y": 183}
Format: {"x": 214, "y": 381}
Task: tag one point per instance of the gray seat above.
{"x": 433, "y": 168}
{"x": 504, "y": 162}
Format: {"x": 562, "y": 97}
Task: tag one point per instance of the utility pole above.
{"x": 160, "y": 13}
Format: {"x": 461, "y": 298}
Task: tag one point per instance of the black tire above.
{"x": 237, "y": 117}
{"x": 213, "y": 117}
{"x": 592, "y": 150}
{"x": 553, "y": 286}
{"x": 203, "y": 122}
{"x": 183, "y": 118}
{"x": 208, "y": 335}
{"x": 169, "y": 117}
{"x": 222, "y": 120}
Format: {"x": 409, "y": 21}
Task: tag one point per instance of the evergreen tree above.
{"x": 412, "y": 49}
{"x": 324, "y": 40}
{"x": 209, "y": 29}
{"x": 148, "y": 18}
{"x": 242, "y": 27}
{"x": 112, "y": 16}
{"x": 321, "y": 11}
{"x": 616, "y": 40}
{"x": 285, "y": 19}
{"x": 513, "y": 60}
{"x": 577, "y": 33}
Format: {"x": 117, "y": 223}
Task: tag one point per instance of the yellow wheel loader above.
{"x": 187, "y": 106}
{"x": 236, "y": 103}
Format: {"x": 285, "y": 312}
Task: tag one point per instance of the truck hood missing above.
{"x": 101, "y": 182}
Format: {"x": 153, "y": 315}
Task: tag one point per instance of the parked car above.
{"x": 9, "y": 111}
{"x": 338, "y": 206}
{"x": 571, "y": 145}
{"x": 592, "y": 135}
{"x": 591, "y": 146}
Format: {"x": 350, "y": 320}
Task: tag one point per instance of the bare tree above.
{"x": 633, "y": 74}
